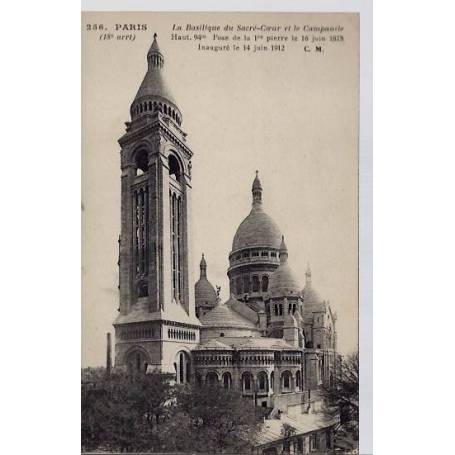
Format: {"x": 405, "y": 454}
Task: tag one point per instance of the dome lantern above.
{"x": 283, "y": 251}
{"x": 204, "y": 293}
{"x": 257, "y": 190}
{"x": 203, "y": 267}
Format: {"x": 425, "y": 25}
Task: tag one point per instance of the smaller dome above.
{"x": 283, "y": 281}
{"x": 309, "y": 294}
{"x": 204, "y": 292}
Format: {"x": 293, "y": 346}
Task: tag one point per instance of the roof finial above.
{"x": 154, "y": 56}
{"x": 257, "y": 190}
{"x": 203, "y": 267}
{"x": 283, "y": 251}
{"x": 308, "y": 273}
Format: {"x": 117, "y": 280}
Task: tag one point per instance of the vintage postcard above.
{"x": 220, "y": 232}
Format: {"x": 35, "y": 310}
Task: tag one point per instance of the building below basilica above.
{"x": 271, "y": 340}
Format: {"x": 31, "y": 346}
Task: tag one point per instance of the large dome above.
{"x": 257, "y": 229}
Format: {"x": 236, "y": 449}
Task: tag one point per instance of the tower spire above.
{"x": 203, "y": 267}
{"x": 155, "y": 58}
{"x": 257, "y": 190}
{"x": 308, "y": 274}
{"x": 283, "y": 251}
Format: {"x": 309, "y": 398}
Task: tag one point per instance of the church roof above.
{"x": 283, "y": 281}
{"x": 262, "y": 343}
{"x": 246, "y": 344}
{"x": 204, "y": 292}
{"x": 223, "y": 315}
{"x": 154, "y": 83}
{"x": 272, "y": 430}
{"x": 309, "y": 294}
{"x": 213, "y": 344}
{"x": 258, "y": 228}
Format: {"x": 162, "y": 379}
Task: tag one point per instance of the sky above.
{"x": 291, "y": 115}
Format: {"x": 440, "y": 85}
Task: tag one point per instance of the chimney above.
{"x": 108, "y": 355}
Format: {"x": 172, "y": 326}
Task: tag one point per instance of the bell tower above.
{"x": 157, "y": 325}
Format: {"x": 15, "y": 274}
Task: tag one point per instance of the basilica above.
{"x": 274, "y": 339}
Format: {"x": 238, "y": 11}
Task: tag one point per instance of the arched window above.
{"x": 142, "y": 289}
{"x": 246, "y": 283}
{"x": 238, "y": 285}
{"x": 265, "y": 283}
{"x": 182, "y": 366}
{"x": 298, "y": 382}
{"x": 211, "y": 378}
{"x": 227, "y": 380}
{"x": 141, "y": 160}
{"x": 174, "y": 168}
{"x": 137, "y": 362}
{"x": 255, "y": 283}
{"x": 246, "y": 381}
{"x": 262, "y": 382}
{"x": 286, "y": 380}
{"x": 272, "y": 380}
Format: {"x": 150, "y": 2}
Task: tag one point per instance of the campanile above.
{"x": 157, "y": 325}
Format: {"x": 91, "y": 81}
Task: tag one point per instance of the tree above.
{"x": 148, "y": 413}
{"x": 219, "y": 419}
{"x": 342, "y": 397}
{"x": 287, "y": 432}
{"x": 122, "y": 412}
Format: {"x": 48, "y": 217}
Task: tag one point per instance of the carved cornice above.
{"x": 157, "y": 126}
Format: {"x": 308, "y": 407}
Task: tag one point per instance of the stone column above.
{"x": 125, "y": 247}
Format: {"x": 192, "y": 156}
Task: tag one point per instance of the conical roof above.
{"x": 283, "y": 281}
{"x": 154, "y": 84}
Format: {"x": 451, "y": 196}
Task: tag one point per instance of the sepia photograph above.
{"x": 220, "y": 233}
